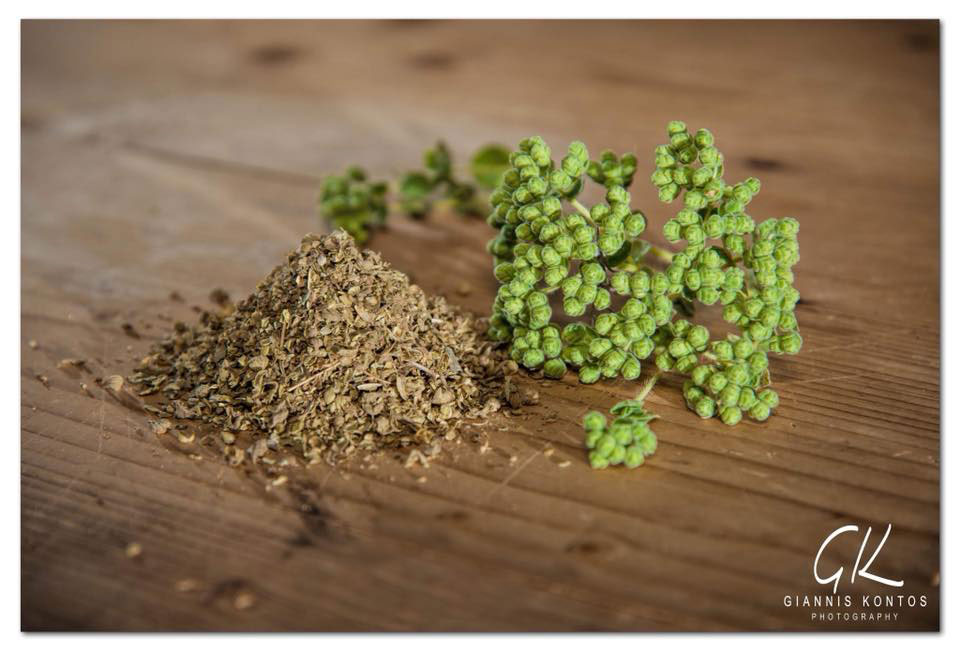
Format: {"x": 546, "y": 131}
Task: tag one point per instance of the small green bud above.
{"x": 532, "y": 358}
{"x": 586, "y": 251}
{"x": 621, "y": 431}
{"x": 747, "y": 398}
{"x": 661, "y": 177}
{"x": 760, "y": 411}
{"x": 759, "y": 332}
{"x": 669, "y": 192}
{"x": 714, "y": 226}
{"x": 717, "y": 382}
{"x": 635, "y": 224}
{"x": 552, "y": 346}
{"x": 742, "y": 348}
{"x": 598, "y": 346}
{"x": 633, "y": 309}
{"x": 663, "y": 361}
{"x": 698, "y": 336}
{"x": 604, "y": 323}
{"x": 791, "y": 343}
{"x": 692, "y": 393}
{"x": 593, "y": 273}
{"x": 734, "y": 244}
{"x": 587, "y": 293}
{"x": 642, "y": 348}
{"x": 700, "y": 374}
{"x": 671, "y": 230}
{"x": 703, "y": 138}
{"x": 574, "y": 355}
{"x": 598, "y": 461}
{"x": 618, "y": 454}
{"x": 594, "y": 421}
{"x": 709, "y": 155}
{"x": 572, "y": 307}
{"x": 658, "y": 283}
{"x": 573, "y": 333}
{"x": 722, "y": 349}
{"x": 679, "y": 348}
{"x": 705, "y": 407}
{"x": 592, "y": 436}
{"x": 757, "y": 362}
{"x": 620, "y": 282}
{"x": 737, "y": 374}
{"x": 686, "y": 363}
{"x": 694, "y": 234}
{"x": 553, "y": 276}
{"x": 554, "y": 368}
{"x": 630, "y": 370}
{"x": 648, "y": 442}
{"x": 540, "y": 316}
{"x": 589, "y": 374}
{"x": 731, "y": 415}
{"x": 727, "y": 297}
{"x": 729, "y": 395}
{"x": 633, "y": 457}
{"x": 676, "y": 127}
{"x": 769, "y": 397}
{"x": 788, "y": 321}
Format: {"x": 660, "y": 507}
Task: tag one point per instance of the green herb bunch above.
{"x": 628, "y": 440}
{"x": 421, "y": 188}
{"x": 629, "y": 299}
{"x": 352, "y": 203}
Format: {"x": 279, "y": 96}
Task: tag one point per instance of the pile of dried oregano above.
{"x": 334, "y": 352}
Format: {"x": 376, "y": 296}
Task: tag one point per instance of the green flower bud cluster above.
{"x": 419, "y": 189}
{"x": 352, "y": 203}
{"x": 733, "y": 384}
{"x": 680, "y": 345}
{"x": 611, "y": 170}
{"x": 552, "y": 253}
{"x": 627, "y": 440}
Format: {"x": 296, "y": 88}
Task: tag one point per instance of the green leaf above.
{"x": 634, "y": 409}
{"x": 415, "y": 185}
{"x": 489, "y": 163}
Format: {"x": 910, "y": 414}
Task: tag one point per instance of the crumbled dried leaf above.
{"x": 43, "y": 380}
{"x": 133, "y": 550}
{"x": 334, "y": 353}
{"x": 244, "y": 600}
{"x": 72, "y": 363}
{"x": 187, "y": 585}
{"x": 160, "y": 426}
{"x": 220, "y": 297}
{"x": 113, "y": 383}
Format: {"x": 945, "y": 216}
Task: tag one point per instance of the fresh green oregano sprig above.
{"x": 626, "y": 307}
{"x": 352, "y": 203}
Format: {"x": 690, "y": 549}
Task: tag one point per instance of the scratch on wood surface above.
{"x": 515, "y": 473}
{"x": 818, "y": 380}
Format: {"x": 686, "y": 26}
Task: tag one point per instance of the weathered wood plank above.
{"x": 185, "y": 156}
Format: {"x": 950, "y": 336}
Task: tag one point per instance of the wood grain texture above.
{"x": 185, "y": 155}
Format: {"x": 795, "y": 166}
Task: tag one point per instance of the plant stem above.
{"x": 582, "y": 210}
{"x": 648, "y": 386}
{"x": 661, "y": 254}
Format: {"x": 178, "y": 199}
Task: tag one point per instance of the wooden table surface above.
{"x": 184, "y": 156}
